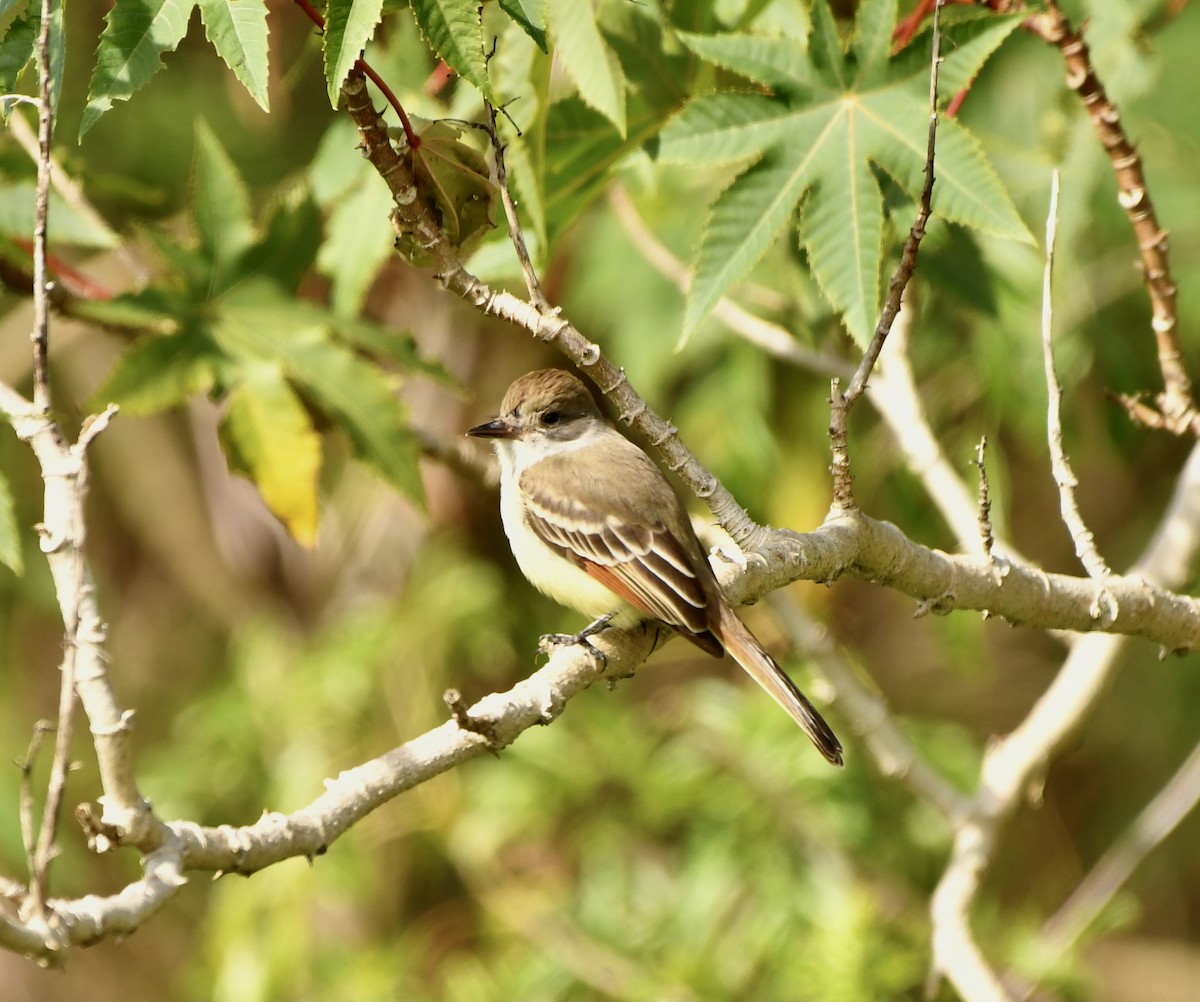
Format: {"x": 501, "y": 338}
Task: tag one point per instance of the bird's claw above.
{"x": 549, "y": 641}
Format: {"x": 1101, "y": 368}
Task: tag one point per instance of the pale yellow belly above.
{"x": 555, "y": 576}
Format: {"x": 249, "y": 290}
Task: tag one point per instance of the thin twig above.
{"x": 46, "y": 849}
{"x": 1064, "y": 476}
{"x": 41, "y": 210}
{"x": 1155, "y": 822}
{"x": 908, "y": 255}
{"x": 986, "y": 539}
{"x": 516, "y": 234}
{"x": 28, "y": 833}
{"x": 840, "y": 403}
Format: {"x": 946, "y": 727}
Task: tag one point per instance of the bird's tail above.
{"x": 745, "y": 649}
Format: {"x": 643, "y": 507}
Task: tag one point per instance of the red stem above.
{"x": 414, "y": 141}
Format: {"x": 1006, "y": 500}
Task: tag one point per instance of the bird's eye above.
{"x": 551, "y": 417}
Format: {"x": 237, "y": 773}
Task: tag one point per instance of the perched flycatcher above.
{"x": 594, "y": 524}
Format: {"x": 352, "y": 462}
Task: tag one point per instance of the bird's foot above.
{"x": 549, "y": 641}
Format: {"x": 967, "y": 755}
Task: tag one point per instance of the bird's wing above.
{"x": 653, "y": 561}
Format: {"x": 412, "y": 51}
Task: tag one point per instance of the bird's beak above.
{"x": 496, "y": 428}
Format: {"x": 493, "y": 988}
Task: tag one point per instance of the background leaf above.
{"x": 274, "y": 438}
{"x": 587, "y": 58}
{"x": 10, "y": 537}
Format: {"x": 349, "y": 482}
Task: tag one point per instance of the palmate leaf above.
{"x": 256, "y": 321}
{"x": 161, "y": 371}
{"x": 136, "y": 34}
{"x": 832, "y": 120}
{"x": 587, "y": 58}
{"x": 220, "y": 206}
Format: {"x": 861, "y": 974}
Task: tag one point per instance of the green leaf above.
{"x": 136, "y": 35}
{"x": 358, "y": 242}
{"x": 291, "y": 234}
{"x": 20, "y": 23}
{"x": 256, "y": 322}
{"x": 70, "y": 226}
{"x": 10, "y": 11}
{"x": 454, "y": 30}
{"x": 16, "y": 51}
{"x": 843, "y": 115}
{"x": 587, "y": 58}
{"x": 220, "y": 206}
{"x": 769, "y": 60}
{"x": 157, "y": 372}
{"x": 10, "y": 539}
{"x": 274, "y": 439}
{"x": 531, "y": 16}
{"x": 237, "y": 29}
{"x": 746, "y": 219}
{"x": 349, "y": 25}
{"x": 843, "y": 232}
{"x": 456, "y": 180}
{"x": 365, "y": 406}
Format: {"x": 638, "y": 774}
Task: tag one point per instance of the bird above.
{"x": 594, "y": 524}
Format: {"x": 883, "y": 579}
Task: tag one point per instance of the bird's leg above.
{"x": 580, "y": 639}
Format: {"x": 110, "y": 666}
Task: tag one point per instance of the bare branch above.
{"x": 1013, "y": 765}
{"x": 41, "y": 209}
{"x": 986, "y": 540}
{"x": 172, "y": 849}
{"x": 1064, "y": 476}
{"x": 1156, "y": 821}
{"x": 516, "y": 234}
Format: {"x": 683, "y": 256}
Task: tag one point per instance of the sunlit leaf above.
{"x": 454, "y": 30}
{"x": 587, "y": 58}
{"x": 136, "y": 34}
{"x": 238, "y": 31}
{"x": 349, "y": 25}
{"x": 834, "y": 119}
{"x": 531, "y": 16}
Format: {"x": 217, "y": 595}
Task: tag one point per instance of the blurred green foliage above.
{"x": 673, "y": 838}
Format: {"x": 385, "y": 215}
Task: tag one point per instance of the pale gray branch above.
{"x": 1014, "y": 764}
{"x": 1064, "y": 476}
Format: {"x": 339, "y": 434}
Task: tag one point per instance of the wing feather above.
{"x": 653, "y": 561}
